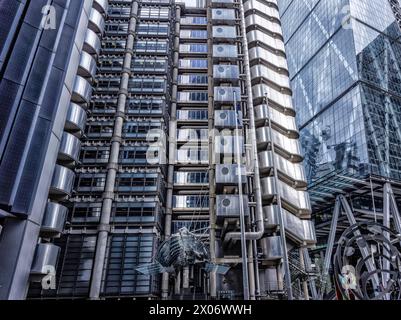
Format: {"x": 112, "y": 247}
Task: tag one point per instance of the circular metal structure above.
{"x": 367, "y": 263}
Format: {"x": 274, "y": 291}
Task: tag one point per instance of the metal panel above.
{"x": 272, "y": 248}
{"x": 293, "y": 200}
{"x": 224, "y": 15}
{"x": 87, "y": 66}
{"x": 225, "y": 51}
{"x": 76, "y": 118}
{"x": 226, "y": 72}
{"x": 92, "y": 43}
{"x": 227, "y": 206}
{"x": 287, "y": 146}
{"x": 96, "y": 21}
{"x": 101, "y": 5}
{"x": 82, "y": 91}
{"x": 46, "y": 256}
{"x": 227, "y": 119}
{"x": 62, "y": 181}
{"x": 227, "y": 94}
{"x": 224, "y": 32}
{"x": 226, "y": 144}
{"x": 54, "y": 219}
{"x": 227, "y": 174}
{"x": 293, "y": 173}
{"x": 70, "y": 148}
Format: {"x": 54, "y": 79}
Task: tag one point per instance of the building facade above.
{"x": 183, "y": 125}
{"x": 46, "y": 54}
{"x": 345, "y": 74}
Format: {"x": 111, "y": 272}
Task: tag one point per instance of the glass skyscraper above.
{"x": 344, "y": 61}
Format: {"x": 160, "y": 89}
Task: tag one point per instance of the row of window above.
{"x": 140, "y": 46}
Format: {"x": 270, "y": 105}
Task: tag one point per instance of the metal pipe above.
{"x": 108, "y": 195}
{"x": 212, "y": 186}
{"x": 177, "y": 286}
{"x": 245, "y": 271}
{"x": 260, "y": 226}
{"x": 386, "y": 222}
{"x": 308, "y": 264}
{"x": 305, "y": 282}
{"x": 330, "y": 247}
{"x": 256, "y": 262}
{"x": 172, "y": 147}
{"x": 251, "y": 271}
{"x": 185, "y": 277}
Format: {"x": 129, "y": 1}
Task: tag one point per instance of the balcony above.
{"x": 280, "y": 80}
{"x": 260, "y": 55}
{"x": 255, "y": 5}
{"x": 276, "y": 44}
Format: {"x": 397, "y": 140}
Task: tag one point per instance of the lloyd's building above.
{"x": 149, "y": 149}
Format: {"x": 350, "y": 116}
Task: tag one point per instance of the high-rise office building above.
{"x": 182, "y": 143}
{"x": 344, "y": 63}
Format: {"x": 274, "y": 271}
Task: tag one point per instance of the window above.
{"x": 193, "y": 79}
{"x": 151, "y": 29}
{"x": 144, "y": 46}
{"x": 193, "y": 48}
{"x": 193, "y": 63}
{"x": 154, "y": 13}
{"x": 149, "y": 65}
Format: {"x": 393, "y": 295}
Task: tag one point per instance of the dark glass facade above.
{"x": 343, "y": 59}
{"x": 40, "y": 46}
